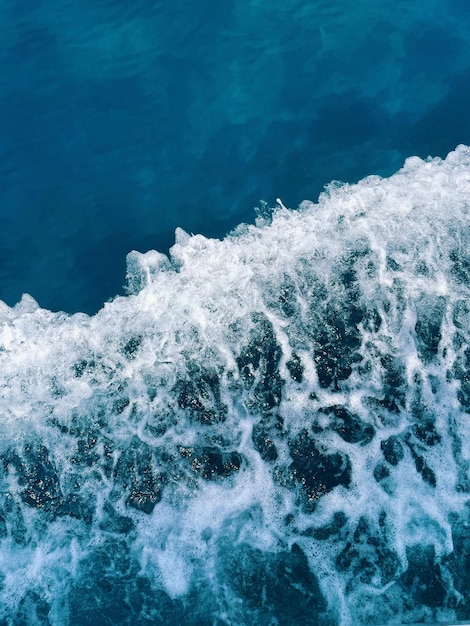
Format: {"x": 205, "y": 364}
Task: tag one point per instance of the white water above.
{"x": 368, "y": 290}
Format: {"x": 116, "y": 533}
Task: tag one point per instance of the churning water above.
{"x": 268, "y": 429}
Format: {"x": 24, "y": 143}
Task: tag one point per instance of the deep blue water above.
{"x": 269, "y": 426}
{"x": 120, "y": 122}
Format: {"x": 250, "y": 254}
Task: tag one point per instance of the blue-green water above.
{"x": 120, "y": 122}
{"x": 267, "y": 427}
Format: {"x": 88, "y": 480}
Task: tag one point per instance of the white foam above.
{"x": 195, "y": 310}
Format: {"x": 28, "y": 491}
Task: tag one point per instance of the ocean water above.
{"x": 268, "y": 429}
{"x": 266, "y": 421}
{"x": 120, "y": 122}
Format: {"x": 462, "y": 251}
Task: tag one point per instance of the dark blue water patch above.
{"x": 445, "y": 122}
{"x": 274, "y": 586}
{"x": 350, "y": 427}
{"x": 432, "y": 50}
{"x": 366, "y": 556}
{"x": 111, "y": 591}
{"x": 349, "y": 120}
{"x": 317, "y": 471}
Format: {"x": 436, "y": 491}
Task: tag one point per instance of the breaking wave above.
{"x": 270, "y": 429}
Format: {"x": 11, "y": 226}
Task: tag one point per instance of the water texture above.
{"x": 270, "y": 423}
{"x": 121, "y": 121}
{"x": 271, "y": 429}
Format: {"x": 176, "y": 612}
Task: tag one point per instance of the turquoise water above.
{"x": 269, "y": 426}
{"x": 119, "y": 124}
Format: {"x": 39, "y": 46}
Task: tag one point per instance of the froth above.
{"x": 293, "y": 398}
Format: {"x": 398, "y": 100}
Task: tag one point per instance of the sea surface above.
{"x": 234, "y": 313}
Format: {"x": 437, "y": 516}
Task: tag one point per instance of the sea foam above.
{"x": 272, "y": 428}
